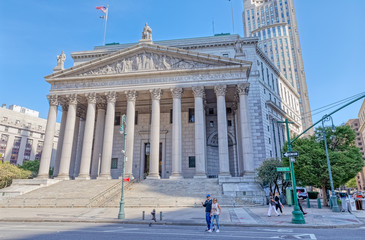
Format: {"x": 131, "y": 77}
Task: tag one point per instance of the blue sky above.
{"x": 34, "y": 32}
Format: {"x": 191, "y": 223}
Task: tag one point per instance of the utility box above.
{"x": 287, "y": 176}
{"x": 289, "y": 197}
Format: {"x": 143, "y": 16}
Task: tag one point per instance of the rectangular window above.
{"x": 211, "y": 124}
{"x": 191, "y": 115}
{"x": 211, "y": 111}
{"x": 117, "y": 119}
{"x": 225, "y": 55}
{"x": 229, "y": 123}
{"x": 171, "y": 116}
{"x": 191, "y": 161}
{"x": 136, "y": 118}
{"x": 114, "y": 163}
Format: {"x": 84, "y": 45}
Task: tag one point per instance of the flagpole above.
{"x": 232, "y": 16}
{"x": 106, "y": 19}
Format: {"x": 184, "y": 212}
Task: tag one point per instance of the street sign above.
{"x": 290, "y": 154}
{"x": 283, "y": 169}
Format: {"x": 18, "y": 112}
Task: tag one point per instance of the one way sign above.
{"x": 290, "y": 154}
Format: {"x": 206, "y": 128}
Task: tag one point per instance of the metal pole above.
{"x": 232, "y": 15}
{"x": 123, "y": 130}
{"x": 106, "y": 19}
{"x": 297, "y": 214}
{"x": 333, "y": 199}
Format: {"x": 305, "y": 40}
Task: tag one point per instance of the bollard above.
{"x": 308, "y": 203}
{"x": 142, "y": 215}
{"x": 160, "y": 216}
{"x": 319, "y": 203}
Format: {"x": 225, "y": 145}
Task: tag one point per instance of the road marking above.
{"x": 278, "y": 230}
{"x": 305, "y": 236}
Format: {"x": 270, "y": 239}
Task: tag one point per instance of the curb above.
{"x": 114, "y": 221}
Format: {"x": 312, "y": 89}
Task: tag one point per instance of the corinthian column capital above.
{"x": 156, "y": 94}
{"x": 53, "y": 100}
{"x": 72, "y": 99}
{"x": 91, "y": 98}
{"x": 199, "y": 91}
{"x": 131, "y": 95}
{"x": 111, "y": 97}
{"x": 243, "y": 88}
{"x": 176, "y": 92}
{"x": 220, "y": 90}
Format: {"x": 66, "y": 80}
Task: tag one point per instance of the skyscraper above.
{"x": 274, "y": 23}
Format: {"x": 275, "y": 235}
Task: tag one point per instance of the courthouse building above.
{"x": 22, "y": 135}
{"x": 195, "y": 108}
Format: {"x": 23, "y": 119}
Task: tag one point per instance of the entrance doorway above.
{"x": 147, "y": 149}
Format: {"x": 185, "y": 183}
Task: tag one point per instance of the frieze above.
{"x": 146, "y": 61}
{"x": 142, "y": 81}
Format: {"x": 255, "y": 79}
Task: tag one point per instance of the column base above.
{"x": 104, "y": 177}
{"x": 153, "y": 176}
{"x": 176, "y": 176}
{"x": 200, "y": 175}
{"x": 83, "y": 177}
{"x": 62, "y": 177}
{"x": 43, "y": 176}
{"x": 224, "y": 174}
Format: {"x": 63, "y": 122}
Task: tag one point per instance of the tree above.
{"x": 311, "y": 165}
{"x": 351, "y": 183}
{"x": 32, "y": 166}
{"x": 269, "y": 176}
{"x": 8, "y": 172}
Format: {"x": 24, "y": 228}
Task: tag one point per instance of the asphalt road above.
{"x": 90, "y": 231}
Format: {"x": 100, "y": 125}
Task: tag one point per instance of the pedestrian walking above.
{"x": 208, "y": 208}
{"x": 300, "y": 206}
{"x": 278, "y": 204}
{"x": 153, "y": 214}
{"x": 272, "y": 205}
{"x": 214, "y": 213}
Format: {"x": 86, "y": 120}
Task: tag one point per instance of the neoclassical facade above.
{"x": 195, "y": 108}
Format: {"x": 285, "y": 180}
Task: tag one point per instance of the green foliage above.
{"x": 313, "y": 195}
{"x": 32, "y": 166}
{"x": 268, "y": 175}
{"x": 9, "y": 172}
{"x": 351, "y": 183}
{"x": 311, "y": 166}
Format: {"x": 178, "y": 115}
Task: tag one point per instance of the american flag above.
{"x": 102, "y": 8}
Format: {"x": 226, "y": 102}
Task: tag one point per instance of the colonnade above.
{"x": 96, "y": 146}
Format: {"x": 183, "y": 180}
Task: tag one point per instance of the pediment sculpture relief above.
{"x": 146, "y": 61}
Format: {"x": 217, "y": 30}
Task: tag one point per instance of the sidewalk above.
{"x": 247, "y": 216}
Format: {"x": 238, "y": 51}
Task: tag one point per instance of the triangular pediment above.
{"x": 147, "y": 58}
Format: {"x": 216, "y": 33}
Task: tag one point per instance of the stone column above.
{"x": 68, "y": 138}
{"x": 131, "y": 111}
{"x": 88, "y": 137}
{"x": 155, "y": 134}
{"x": 80, "y": 141}
{"x": 247, "y": 149}
{"x": 74, "y": 144}
{"x": 176, "y": 133}
{"x": 108, "y": 136}
{"x": 200, "y": 168}
{"x": 49, "y": 136}
{"x": 60, "y": 139}
{"x": 98, "y": 139}
{"x": 220, "y": 91}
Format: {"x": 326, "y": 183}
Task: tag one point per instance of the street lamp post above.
{"x": 123, "y": 130}
{"x": 335, "y": 207}
{"x": 298, "y": 217}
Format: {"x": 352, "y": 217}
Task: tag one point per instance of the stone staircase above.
{"x": 146, "y": 193}
{"x": 69, "y": 193}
